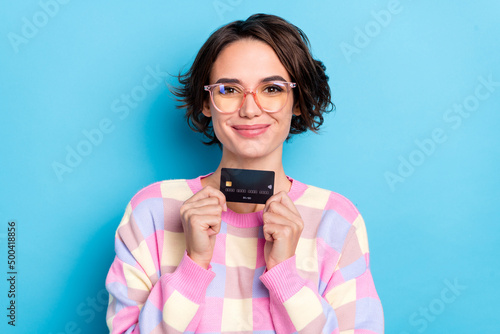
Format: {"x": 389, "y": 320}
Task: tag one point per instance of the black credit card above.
{"x": 247, "y": 185}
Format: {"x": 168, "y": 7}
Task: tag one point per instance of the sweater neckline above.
{"x": 250, "y": 219}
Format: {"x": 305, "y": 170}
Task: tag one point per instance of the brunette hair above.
{"x": 291, "y": 46}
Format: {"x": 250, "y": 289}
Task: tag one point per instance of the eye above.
{"x": 229, "y": 90}
{"x": 272, "y": 89}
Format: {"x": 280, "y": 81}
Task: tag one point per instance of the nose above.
{"x": 250, "y": 108}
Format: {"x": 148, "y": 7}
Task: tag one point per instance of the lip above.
{"x": 251, "y": 130}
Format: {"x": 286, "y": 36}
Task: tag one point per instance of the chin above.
{"x": 253, "y": 151}
{"x": 250, "y": 152}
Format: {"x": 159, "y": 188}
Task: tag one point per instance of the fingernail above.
{"x": 224, "y": 207}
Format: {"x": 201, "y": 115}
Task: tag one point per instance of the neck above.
{"x": 271, "y": 163}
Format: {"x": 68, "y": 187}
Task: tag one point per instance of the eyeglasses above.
{"x": 269, "y": 96}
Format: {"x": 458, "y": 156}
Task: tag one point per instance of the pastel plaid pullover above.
{"x": 326, "y": 287}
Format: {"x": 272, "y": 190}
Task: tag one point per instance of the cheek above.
{"x": 218, "y": 126}
{"x": 282, "y": 128}
{"x": 286, "y": 123}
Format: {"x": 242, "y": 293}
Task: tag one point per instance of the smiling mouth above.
{"x": 250, "y": 131}
{"x": 250, "y": 127}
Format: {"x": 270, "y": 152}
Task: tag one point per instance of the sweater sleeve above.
{"x": 349, "y": 303}
{"x": 140, "y": 302}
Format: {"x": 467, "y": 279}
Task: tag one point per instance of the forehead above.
{"x": 249, "y": 61}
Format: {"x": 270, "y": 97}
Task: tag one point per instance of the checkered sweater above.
{"x": 326, "y": 287}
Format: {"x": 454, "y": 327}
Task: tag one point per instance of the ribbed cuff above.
{"x": 283, "y": 280}
{"x": 190, "y": 279}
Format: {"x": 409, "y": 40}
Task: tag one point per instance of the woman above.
{"x": 187, "y": 260}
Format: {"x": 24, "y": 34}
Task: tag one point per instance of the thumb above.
{"x": 214, "y": 229}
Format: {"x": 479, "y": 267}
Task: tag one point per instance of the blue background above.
{"x": 394, "y": 81}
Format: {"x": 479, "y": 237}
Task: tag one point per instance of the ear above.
{"x": 206, "y": 108}
{"x": 296, "y": 110}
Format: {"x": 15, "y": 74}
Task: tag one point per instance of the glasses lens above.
{"x": 272, "y": 96}
{"x": 228, "y": 97}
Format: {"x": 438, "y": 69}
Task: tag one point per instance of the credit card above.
{"x": 247, "y": 185}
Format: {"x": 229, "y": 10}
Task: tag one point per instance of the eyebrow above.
{"x": 271, "y": 78}
{"x": 274, "y": 78}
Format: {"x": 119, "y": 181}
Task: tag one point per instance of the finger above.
{"x": 268, "y": 232}
{"x": 201, "y": 203}
{"x": 207, "y": 210}
{"x": 211, "y": 224}
{"x": 191, "y": 209}
{"x": 294, "y": 229}
{"x": 282, "y": 210}
{"x": 274, "y": 218}
{"x": 283, "y": 198}
{"x": 214, "y": 227}
{"x": 209, "y": 191}
{"x": 274, "y": 231}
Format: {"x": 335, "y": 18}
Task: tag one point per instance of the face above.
{"x": 250, "y": 132}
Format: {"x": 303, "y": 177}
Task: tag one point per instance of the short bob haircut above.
{"x": 291, "y": 46}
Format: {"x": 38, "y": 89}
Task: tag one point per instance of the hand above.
{"x": 201, "y": 220}
{"x": 282, "y": 229}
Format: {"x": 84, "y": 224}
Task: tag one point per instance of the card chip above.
{"x": 229, "y": 184}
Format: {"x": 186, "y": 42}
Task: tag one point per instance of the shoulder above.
{"x": 327, "y": 201}
{"x": 175, "y": 190}
{"x": 340, "y": 219}
{"x": 148, "y": 208}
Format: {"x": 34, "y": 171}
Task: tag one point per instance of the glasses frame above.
{"x": 210, "y": 88}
